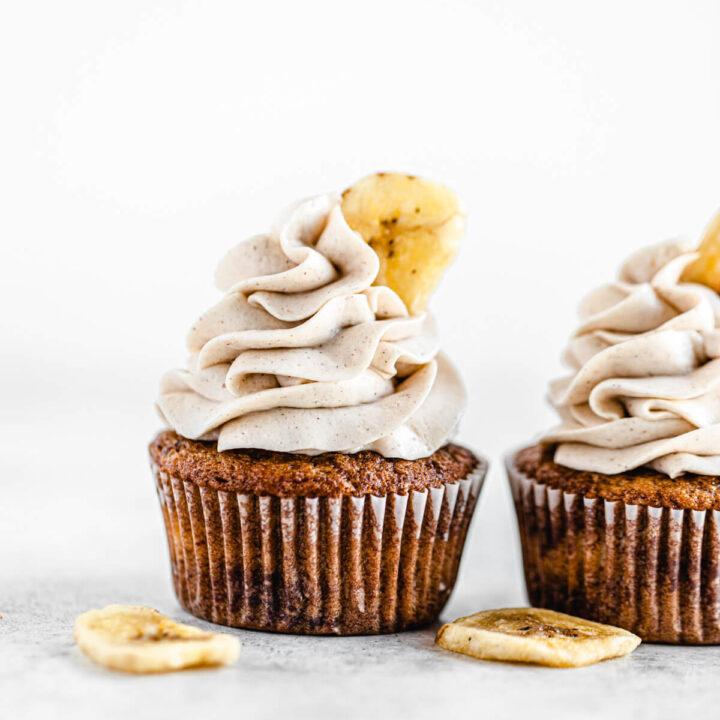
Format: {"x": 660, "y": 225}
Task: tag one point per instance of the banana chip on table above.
{"x": 139, "y": 639}
{"x": 706, "y": 268}
{"x": 414, "y": 226}
{"x": 534, "y": 635}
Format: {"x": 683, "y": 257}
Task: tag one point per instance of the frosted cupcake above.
{"x": 619, "y": 505}
{"x": 307, "y": 479}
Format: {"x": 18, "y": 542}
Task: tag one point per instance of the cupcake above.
{"x": 619, "y": 505}
{"x": 307, "y": 477}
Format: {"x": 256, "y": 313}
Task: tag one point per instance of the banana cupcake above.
{"x": 619, "y": 505}
{"x": 307, "y": 478}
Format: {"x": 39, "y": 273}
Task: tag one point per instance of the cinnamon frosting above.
{"x": 645, "y": 386}
{"x": 303, "y": 354}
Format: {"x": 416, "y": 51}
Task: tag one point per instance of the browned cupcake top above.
{"x": 285, "y": 474}
{"x": 642, "y": 486}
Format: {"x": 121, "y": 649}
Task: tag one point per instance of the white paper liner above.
{"x": 323, "y": 565}
{"x": 652, "y": 570}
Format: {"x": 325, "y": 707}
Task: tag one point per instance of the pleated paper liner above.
{"x": 323, "y": 565}
{"x": 652, "y": 570}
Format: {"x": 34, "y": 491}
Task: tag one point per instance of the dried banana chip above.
{"x": 413, "y": 225}
{"x": 706, "y": 268}
{"x": 139, "y": 639}
{"x": 533, "y": 635}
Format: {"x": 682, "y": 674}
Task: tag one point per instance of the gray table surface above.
{"x": 77, "y": 533}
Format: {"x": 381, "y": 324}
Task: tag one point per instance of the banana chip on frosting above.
{"x": 706, "y": 268}
{"x": 139, "y": 639}
{"x": 533, "y": 635}
{"x": 414, "y": 225}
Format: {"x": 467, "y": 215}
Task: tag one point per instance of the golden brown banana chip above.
{"x": 533, "y": 635}
{"x": 139, "y": 639}
{"x": 706, "y": 268}
{"x": 413, "y": 225}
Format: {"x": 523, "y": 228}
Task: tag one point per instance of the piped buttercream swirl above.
{"x": 645, "y": 388}
{"x": 303, "y": 354}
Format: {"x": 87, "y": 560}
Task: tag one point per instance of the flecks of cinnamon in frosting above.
{"x": 304, "y": 355}
{"x": 645, "y": 388}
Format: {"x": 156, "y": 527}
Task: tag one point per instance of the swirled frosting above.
{"x": 304, "y": 355}
{"x": 646, "y": 384}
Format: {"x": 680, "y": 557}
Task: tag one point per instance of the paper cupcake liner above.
{"x": 652, "y": 570}
{"x": 323, "y": 565}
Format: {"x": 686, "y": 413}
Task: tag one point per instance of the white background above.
{"x": 139, "y": 140}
